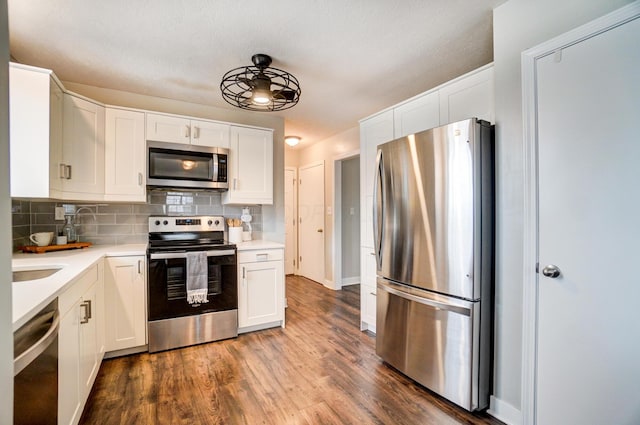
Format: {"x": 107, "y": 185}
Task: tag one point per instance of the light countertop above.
{"x": 31, "y": 296}
{"x": 258, "y": 244}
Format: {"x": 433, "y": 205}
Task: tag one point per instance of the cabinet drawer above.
{"x": 260, "y": 255}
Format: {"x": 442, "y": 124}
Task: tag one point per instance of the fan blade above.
{"x": 284, "y": 94}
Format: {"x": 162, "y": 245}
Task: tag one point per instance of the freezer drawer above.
{"x": 435, "y": 340}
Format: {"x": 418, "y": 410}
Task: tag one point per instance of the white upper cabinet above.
{"x": 83, "y": 149}
{"x": 469, "y": 96}
{"x": 208, "y": 133}
{"x": 418, "y": 114}
{"x": 250, "y": 167}
{"x": 178, "y": 129}
{"x": 125, "y": 164}
{"x": 35, "y": 113}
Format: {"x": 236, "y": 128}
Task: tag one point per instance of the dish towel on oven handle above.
{"x": 197, "y": 270}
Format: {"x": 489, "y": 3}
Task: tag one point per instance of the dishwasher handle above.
{"x": 29, "y": 355}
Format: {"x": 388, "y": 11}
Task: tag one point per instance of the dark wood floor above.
{"x": 320, "y": 369}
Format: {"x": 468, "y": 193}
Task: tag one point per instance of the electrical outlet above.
{"x": 59, "y": 213}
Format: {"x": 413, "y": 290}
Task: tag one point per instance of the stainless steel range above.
{"x": 192, "y": 282}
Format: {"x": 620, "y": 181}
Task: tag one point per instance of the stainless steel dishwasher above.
{"x": 35, "y": 368}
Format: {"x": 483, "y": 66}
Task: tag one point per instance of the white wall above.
{"x": 519, "y": 25}
{"x": 328, "y": 150}
{"x": 272, "y": 215}
{"x": 6, "y": 329}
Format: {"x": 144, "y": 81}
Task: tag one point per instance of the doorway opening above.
{"x": 346, "y": 249}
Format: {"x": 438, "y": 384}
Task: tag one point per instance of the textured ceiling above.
{"x": 352, "y": 58}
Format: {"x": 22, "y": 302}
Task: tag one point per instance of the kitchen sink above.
{"x": 34, "y": 273}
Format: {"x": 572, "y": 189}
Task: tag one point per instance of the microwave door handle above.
{"x": 215, "y": 167}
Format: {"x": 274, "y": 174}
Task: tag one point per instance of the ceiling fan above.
{"x": 260, "y": 87}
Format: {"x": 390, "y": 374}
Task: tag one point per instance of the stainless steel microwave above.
{"x": 171, "y": 165}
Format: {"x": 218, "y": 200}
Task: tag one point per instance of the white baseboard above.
{"x": 350, "y": 280}
{"x": 331, "y": 285}
{"x": 504, "y": 411}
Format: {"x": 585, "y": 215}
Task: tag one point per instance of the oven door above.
{"x": 167, "y": 282}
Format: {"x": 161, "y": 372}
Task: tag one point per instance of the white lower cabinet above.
{"x": 260, "y": 289}
{"x": 125, "y": 297}
{"x": 368, "y": 290}
{"x": 80, "y": 342}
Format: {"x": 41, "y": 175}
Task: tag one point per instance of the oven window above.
{"x": 181, "y": 165}
{"x": 177, "y": 278}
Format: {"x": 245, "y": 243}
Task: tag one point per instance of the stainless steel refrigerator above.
{"x": 433, "y": 231}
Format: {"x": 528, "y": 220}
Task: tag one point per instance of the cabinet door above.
{"x": 469, "y": 96}
{"x": 419, "y": 114}
{"x": 125, "y": 164}
{"x": 56, "y": 108}
{"x": 35, "y": 112}
{"x": 250, "y": 167}
{"x": 166, "y": 128}
{"x": 374, "y": 131}
{"x": 368, "y": 290}
{"x": 207, "y": 133}
{"x": 125, "y": 299}
{"x": 83, "y": 147}
{"x": 88, "y": 340}
{"x": 69, "y": 404}
{"x": 261, "y": 293}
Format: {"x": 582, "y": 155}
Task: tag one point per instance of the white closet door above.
{"x": 588, "y": 345}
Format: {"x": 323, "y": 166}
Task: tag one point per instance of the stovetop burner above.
{"x": 187, "y": 233}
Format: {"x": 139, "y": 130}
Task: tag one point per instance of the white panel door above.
{"x": 588, "y": 348}
{"x": 469, "y": 97}
{"x": 250, "y": 167}
{"x": 125, "y": 159}
{"x": 125, "y": 298}
{"x": 207, "y": 133}
{"x": 170, "y": 129}
{"x": 311, "y": 222}
{"x": 83, "y": 146}
{"x": 417, "y": 115}
{"x": 290, "y": 218}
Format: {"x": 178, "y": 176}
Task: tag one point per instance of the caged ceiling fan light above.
{"x": 259, "y": 87}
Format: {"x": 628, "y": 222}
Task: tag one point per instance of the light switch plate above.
{"x": 59, "y": 213}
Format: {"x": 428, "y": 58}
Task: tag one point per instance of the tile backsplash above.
{"x": 118, "y": 223}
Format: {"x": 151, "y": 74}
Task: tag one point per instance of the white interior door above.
{"x": 290, "y": 219}
{"x": 588, "y": 345}
{"x": 311, "y": 222}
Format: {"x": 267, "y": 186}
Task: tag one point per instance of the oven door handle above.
{"x": 172, "y": 255}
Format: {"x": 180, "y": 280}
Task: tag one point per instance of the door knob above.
{"x": 551, "y": 271}
{"x": 319, "y": 230}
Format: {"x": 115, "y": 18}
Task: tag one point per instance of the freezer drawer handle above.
{"x": 426, "y": 301}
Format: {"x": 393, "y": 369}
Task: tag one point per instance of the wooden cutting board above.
{"x": 34, "y": 249}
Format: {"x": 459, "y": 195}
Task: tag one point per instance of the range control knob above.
{"x": 165, "y": 222}
{"x": 157, "y": 223}
{"x": 210, "y": 222}
{"x": 217, "y": 222}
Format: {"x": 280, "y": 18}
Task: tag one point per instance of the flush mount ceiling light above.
{"x": 292, "y": 140}
{"x": 259, "y": 87}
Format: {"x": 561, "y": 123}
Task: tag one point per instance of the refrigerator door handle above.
{"x": 378, "y": 208}
{"x": 426, "y": 301}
